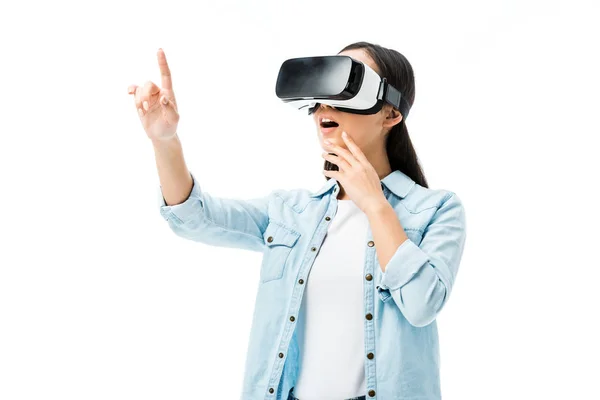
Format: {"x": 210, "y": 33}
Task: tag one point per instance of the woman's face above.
{"x": 367, "y": 131}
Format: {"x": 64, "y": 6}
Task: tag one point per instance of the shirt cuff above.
{"x": 184, "y": 211}
{"x": 402, "y": 267}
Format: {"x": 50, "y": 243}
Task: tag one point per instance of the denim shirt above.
{"x": 400, "y": 306}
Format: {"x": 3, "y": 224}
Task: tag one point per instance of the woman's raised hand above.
{"x": 156, "y": 106}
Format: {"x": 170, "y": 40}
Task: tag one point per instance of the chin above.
{"x": 335, "y": 138}
{"x": 332, "y": 140}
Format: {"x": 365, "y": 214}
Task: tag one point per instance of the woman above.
{"x": 354, "y": 274}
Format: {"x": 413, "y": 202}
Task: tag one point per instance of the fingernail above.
{"x": 146, "y": 105}
{"x": 327, "y": 141}
{"x": 344, "y": 134}
{"x": 164, "y": 100}
{"x": 140, "y": 112}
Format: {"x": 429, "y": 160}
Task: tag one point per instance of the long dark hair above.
{"x": 399, "y": 73}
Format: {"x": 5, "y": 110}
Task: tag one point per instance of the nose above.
{"x": 324, "y": 107}
{"x": 317, "y": 107}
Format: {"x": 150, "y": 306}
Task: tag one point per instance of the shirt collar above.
{"x": 397, "y": 182}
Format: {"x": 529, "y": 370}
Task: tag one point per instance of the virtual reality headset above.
{"x": 339, "y": 81}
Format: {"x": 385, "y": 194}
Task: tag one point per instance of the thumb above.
{"x": 169, "y": 109}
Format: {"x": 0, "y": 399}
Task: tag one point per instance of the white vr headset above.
{"x": 338, "y": 81}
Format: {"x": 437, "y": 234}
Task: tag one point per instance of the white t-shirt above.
{"x": 331, "y": 318}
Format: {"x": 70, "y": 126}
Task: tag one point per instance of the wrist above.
{"x": 162, "y": 142}
{"x": 379, "y": 208}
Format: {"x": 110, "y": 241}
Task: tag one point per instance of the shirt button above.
{"x": 369, "y": 316}
{"x": 280, "y": 355}
{"x": 327, "y": 219}
{"x": 370, "y": 356}
{"x": 371, "y": 393}
{"x": 371, "y": 243}
{"x": 292, "y": 318}
{"x": 314, "y": 249}
{"x": 270, "y": 239}
{"x": 271, "y": 391}
{"x": 369, "y": 277}
{"x": 301, "y": 281}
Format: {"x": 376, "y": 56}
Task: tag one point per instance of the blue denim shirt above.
{"x": 400, "y": 305}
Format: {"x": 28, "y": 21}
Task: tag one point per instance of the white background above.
{"x": 100, "y": 300}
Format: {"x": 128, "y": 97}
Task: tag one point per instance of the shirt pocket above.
{"x": 279, "y": 241}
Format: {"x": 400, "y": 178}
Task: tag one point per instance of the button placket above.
{"x": 313, "y": 249}
{"x": 369, "y": 316}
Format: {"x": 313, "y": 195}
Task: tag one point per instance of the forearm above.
{"x": 387, "y": 231}
{"x": 175, "y": 179}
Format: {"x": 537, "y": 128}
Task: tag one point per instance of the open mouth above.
{"x": 328, "y": 123}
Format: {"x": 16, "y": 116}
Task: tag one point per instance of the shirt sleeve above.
{"x": 419, "y": 279}
{"x": 218, "y": 221}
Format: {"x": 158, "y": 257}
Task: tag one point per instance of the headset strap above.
{"x": 391, "y": 95}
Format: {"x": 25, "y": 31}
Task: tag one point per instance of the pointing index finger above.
{"x": 165, "y": 73}
{"x": 353, "y": 147}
